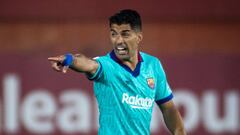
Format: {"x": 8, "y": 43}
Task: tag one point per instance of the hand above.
{"x": 57, "y": 63}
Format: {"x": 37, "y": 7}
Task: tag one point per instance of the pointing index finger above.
{"x": 56, "y": 59}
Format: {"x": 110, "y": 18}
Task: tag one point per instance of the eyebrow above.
{"x": 112, "y": 30}
{"x": 126, "y": 31}
{"x": 121, "y": 31}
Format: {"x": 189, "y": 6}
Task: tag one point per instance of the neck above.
{"x": 132, "y": 62}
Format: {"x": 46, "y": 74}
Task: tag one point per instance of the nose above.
{"x": 119, "y": 40}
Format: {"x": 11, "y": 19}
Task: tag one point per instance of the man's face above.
{"x": 125, "y": 41}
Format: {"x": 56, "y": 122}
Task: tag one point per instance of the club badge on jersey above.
{"x": 150, "y": 82}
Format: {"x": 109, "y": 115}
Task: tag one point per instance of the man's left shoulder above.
{"x": 148, "y": 57}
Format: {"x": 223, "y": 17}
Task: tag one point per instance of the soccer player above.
{"x": 127, "y": 82}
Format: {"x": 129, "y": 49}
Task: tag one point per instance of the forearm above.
{"x": 172, "y": 118}
{"x": 83, "y": 64}
{"x": 174, "y": 121}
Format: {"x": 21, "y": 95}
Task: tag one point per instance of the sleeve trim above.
{"x": 97, "y": 74}
{"x": 164, "y": 100}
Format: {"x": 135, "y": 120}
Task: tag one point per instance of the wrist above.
{"x": 68, "y": 61}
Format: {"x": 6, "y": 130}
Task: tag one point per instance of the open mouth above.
{"x": 121, "y": 50}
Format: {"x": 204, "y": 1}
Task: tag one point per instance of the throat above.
{"x": 133, "y": 68}
{"x": 131, "y": 65}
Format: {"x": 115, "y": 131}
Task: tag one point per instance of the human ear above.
{"x": 139, "y": 36}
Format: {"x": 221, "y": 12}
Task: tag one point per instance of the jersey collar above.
{"x": 136, "y": 71}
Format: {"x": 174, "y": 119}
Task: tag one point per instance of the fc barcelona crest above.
{"x": 150, "y": 82}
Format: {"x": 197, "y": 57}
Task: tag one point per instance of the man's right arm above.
{"x": 80, "y": 63}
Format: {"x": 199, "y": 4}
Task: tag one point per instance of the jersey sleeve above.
{"x": 163, "y": 90}
{"x": 99, "y": 75}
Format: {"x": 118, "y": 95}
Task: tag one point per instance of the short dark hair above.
{"x": 127, "y": 16}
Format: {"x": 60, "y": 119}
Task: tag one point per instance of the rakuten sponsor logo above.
{"x": 137, "y": 102}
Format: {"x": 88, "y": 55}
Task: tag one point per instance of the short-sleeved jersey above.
{"x": 125, "y": 97}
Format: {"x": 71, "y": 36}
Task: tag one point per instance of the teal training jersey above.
{"x": 125, "y": 97}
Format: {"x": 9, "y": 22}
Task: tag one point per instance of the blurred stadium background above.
{"x": 198, "y": 43}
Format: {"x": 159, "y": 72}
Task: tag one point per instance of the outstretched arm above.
{"x": 172, "y": 118}
{"x": 80, "y": 63}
